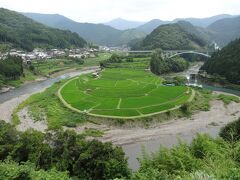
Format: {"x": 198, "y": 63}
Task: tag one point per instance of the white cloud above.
{"x": 141, "y": 10}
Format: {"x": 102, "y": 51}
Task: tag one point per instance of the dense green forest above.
{"x": 59, "y": 151}
{"x": 160, "y": 65}
{"x": 181, "y": 35}
{"x": 18, "y": 31}
{"x": 226, "y": 62}
{"x": 10, "y": 69}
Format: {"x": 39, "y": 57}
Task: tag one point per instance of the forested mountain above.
{"x": 123, "y": 24}
{"x": 151, "y": 25}
{"x": 200, "y": 22}
{"x": 97, "y": 33}
{"x": 225, "y": 30}
{"x": 19, "y": 31}
{"x": 204, "y": 22}
{"x": 181, "y": 35}
{"x": 226, "y": 62}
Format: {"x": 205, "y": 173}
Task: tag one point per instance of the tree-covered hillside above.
{"x": 225, "y": 30}
{"x": 18, "y": 31}
{"x": 226, "y": 62}
{"x": 96, "y": 33}
{"x": 180, "y": 35}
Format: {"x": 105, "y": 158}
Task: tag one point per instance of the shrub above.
{"x": 185, "y": 108}
{"x": 227, "y": 99}
{"x": 11, "y": 170}
{"x": 231, "y": 132}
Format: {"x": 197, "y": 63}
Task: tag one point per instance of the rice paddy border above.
{"x": 116, "y": 117}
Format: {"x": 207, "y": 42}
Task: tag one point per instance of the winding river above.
{"x": 132, "y": 150}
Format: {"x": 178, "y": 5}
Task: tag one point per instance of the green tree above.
{"x": 160, "y": 65}
{"x": 65, "y": 151}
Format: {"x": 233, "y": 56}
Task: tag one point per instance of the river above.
{"x": 132, "y": 150}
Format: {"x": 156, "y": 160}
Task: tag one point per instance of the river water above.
{"x": 132, "y": 151}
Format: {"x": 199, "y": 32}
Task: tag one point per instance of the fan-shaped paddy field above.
{"x": 122, "y": 93}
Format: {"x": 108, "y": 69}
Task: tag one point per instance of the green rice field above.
{"x": 122, "y": 93}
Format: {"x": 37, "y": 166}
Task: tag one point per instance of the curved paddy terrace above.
{"x": 122, "y": 93}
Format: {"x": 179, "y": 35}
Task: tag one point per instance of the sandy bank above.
{"x": 219, "y": 115}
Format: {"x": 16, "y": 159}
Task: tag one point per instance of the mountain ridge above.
{"x": 102, "y": 34}
{"x": 225, "y": 30}
{"x": 123, "y": 24}
{"x": 96, "y": 33}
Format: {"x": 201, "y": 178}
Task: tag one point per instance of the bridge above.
{"x": 206, "y": 54}
{"x": 173, "y": 53}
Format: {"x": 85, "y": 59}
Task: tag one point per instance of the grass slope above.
{"x": 122, "y": 93}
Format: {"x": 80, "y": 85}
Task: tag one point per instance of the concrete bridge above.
{"x": 173, "y": 53}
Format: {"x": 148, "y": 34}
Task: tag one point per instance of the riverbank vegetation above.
{"x": 46, "y": 106}
{"x": 227, "y": 99}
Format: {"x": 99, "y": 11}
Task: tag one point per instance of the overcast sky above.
{"x": 140, "y": 10}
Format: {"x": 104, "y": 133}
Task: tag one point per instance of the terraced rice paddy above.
{"x": 122, "y": 93}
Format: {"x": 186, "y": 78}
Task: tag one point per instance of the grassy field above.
{"x": 123, "y": 93}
